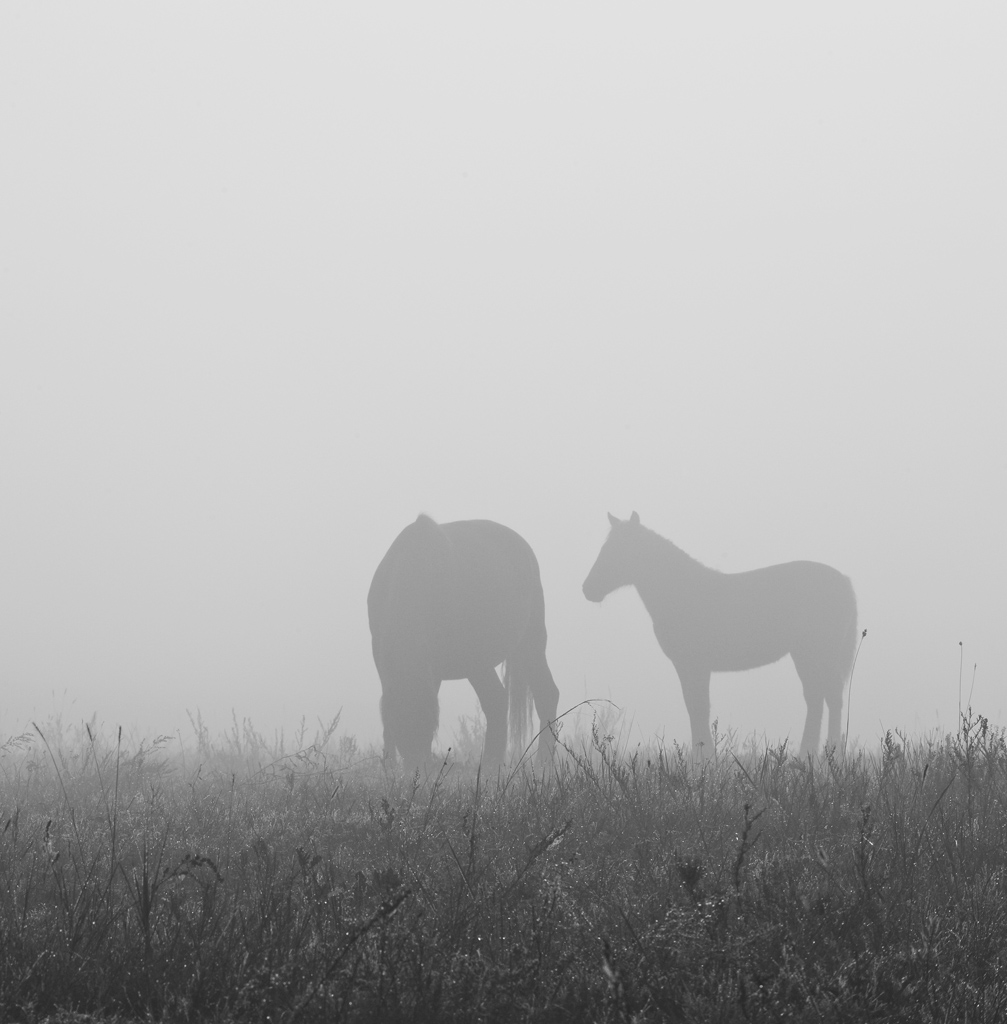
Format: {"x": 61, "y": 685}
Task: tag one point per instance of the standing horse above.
{"x": 708, "y": 621}
{"x": 453, "y": 601}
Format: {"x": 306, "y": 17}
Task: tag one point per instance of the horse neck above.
{"x": 662, "y": 568}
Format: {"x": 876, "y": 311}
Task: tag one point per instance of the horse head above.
{"x": 613, "y": 568}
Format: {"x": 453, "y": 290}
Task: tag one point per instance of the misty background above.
{"x": 273, "y": 280}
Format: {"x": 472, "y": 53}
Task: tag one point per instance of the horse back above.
{"x": 496, "y": 593}
{"x": 457, "y": 595}
{"x": 735, "y": 621}
{"x": 793, "y": 590}
{"x": 409, "y": 585}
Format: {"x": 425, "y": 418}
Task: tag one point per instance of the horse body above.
{"x": 707, "y": 621}
{"x": 453, "y": 601}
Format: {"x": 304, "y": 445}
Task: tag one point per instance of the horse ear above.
{"x": 634, "y": 519}
{"x": 612, "y": 520}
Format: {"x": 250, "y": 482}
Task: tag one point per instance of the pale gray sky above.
{"x": 273, "y": 280}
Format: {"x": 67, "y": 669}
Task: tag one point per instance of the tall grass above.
{"x": 240, "y": 880}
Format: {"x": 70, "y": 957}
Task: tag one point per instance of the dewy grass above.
{"x": 249, "y": 881}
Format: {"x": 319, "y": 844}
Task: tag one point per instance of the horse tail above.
{"x": 849, "y": 637}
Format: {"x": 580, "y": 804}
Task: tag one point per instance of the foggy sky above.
{"x": 274, "y": 280}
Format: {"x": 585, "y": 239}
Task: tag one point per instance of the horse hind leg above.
{"x": 812, "y": 682}
{"x": 528, "y": 673}
{"x": 833, "y": 689}
{"x": 813, "y": 723}
{"x": 545, "y": 693}
{"x": 493, "y": 698}
{"x": 388, "y": 734}
{"x": 835, "y": 701}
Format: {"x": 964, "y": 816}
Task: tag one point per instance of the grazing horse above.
{"x": 708, "y": 621}
{"x": 453, "y": 601}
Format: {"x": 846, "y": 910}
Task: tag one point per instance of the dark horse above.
{"x": 453, "y": 602}
{"x": 708, "y": 621}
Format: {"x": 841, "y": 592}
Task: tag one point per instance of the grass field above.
{"x": 233, "y": 881}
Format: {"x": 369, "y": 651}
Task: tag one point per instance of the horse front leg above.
{"x": 493, "y": 698}
{"x": 696, "y": 691}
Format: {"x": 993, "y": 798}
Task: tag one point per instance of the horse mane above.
{"x": 669, "y": 551}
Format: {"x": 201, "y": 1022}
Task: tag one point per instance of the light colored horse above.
{"x": 708, "y": 621}
{"x": 454, "y": 601}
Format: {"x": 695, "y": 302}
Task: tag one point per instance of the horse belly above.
{"x": 741, "y": 651}
{"x": 768, "y": 614}
{"x": 709, "y": 640}
{"x": 465, "y": 647}
{"x": 465, "y": 664}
